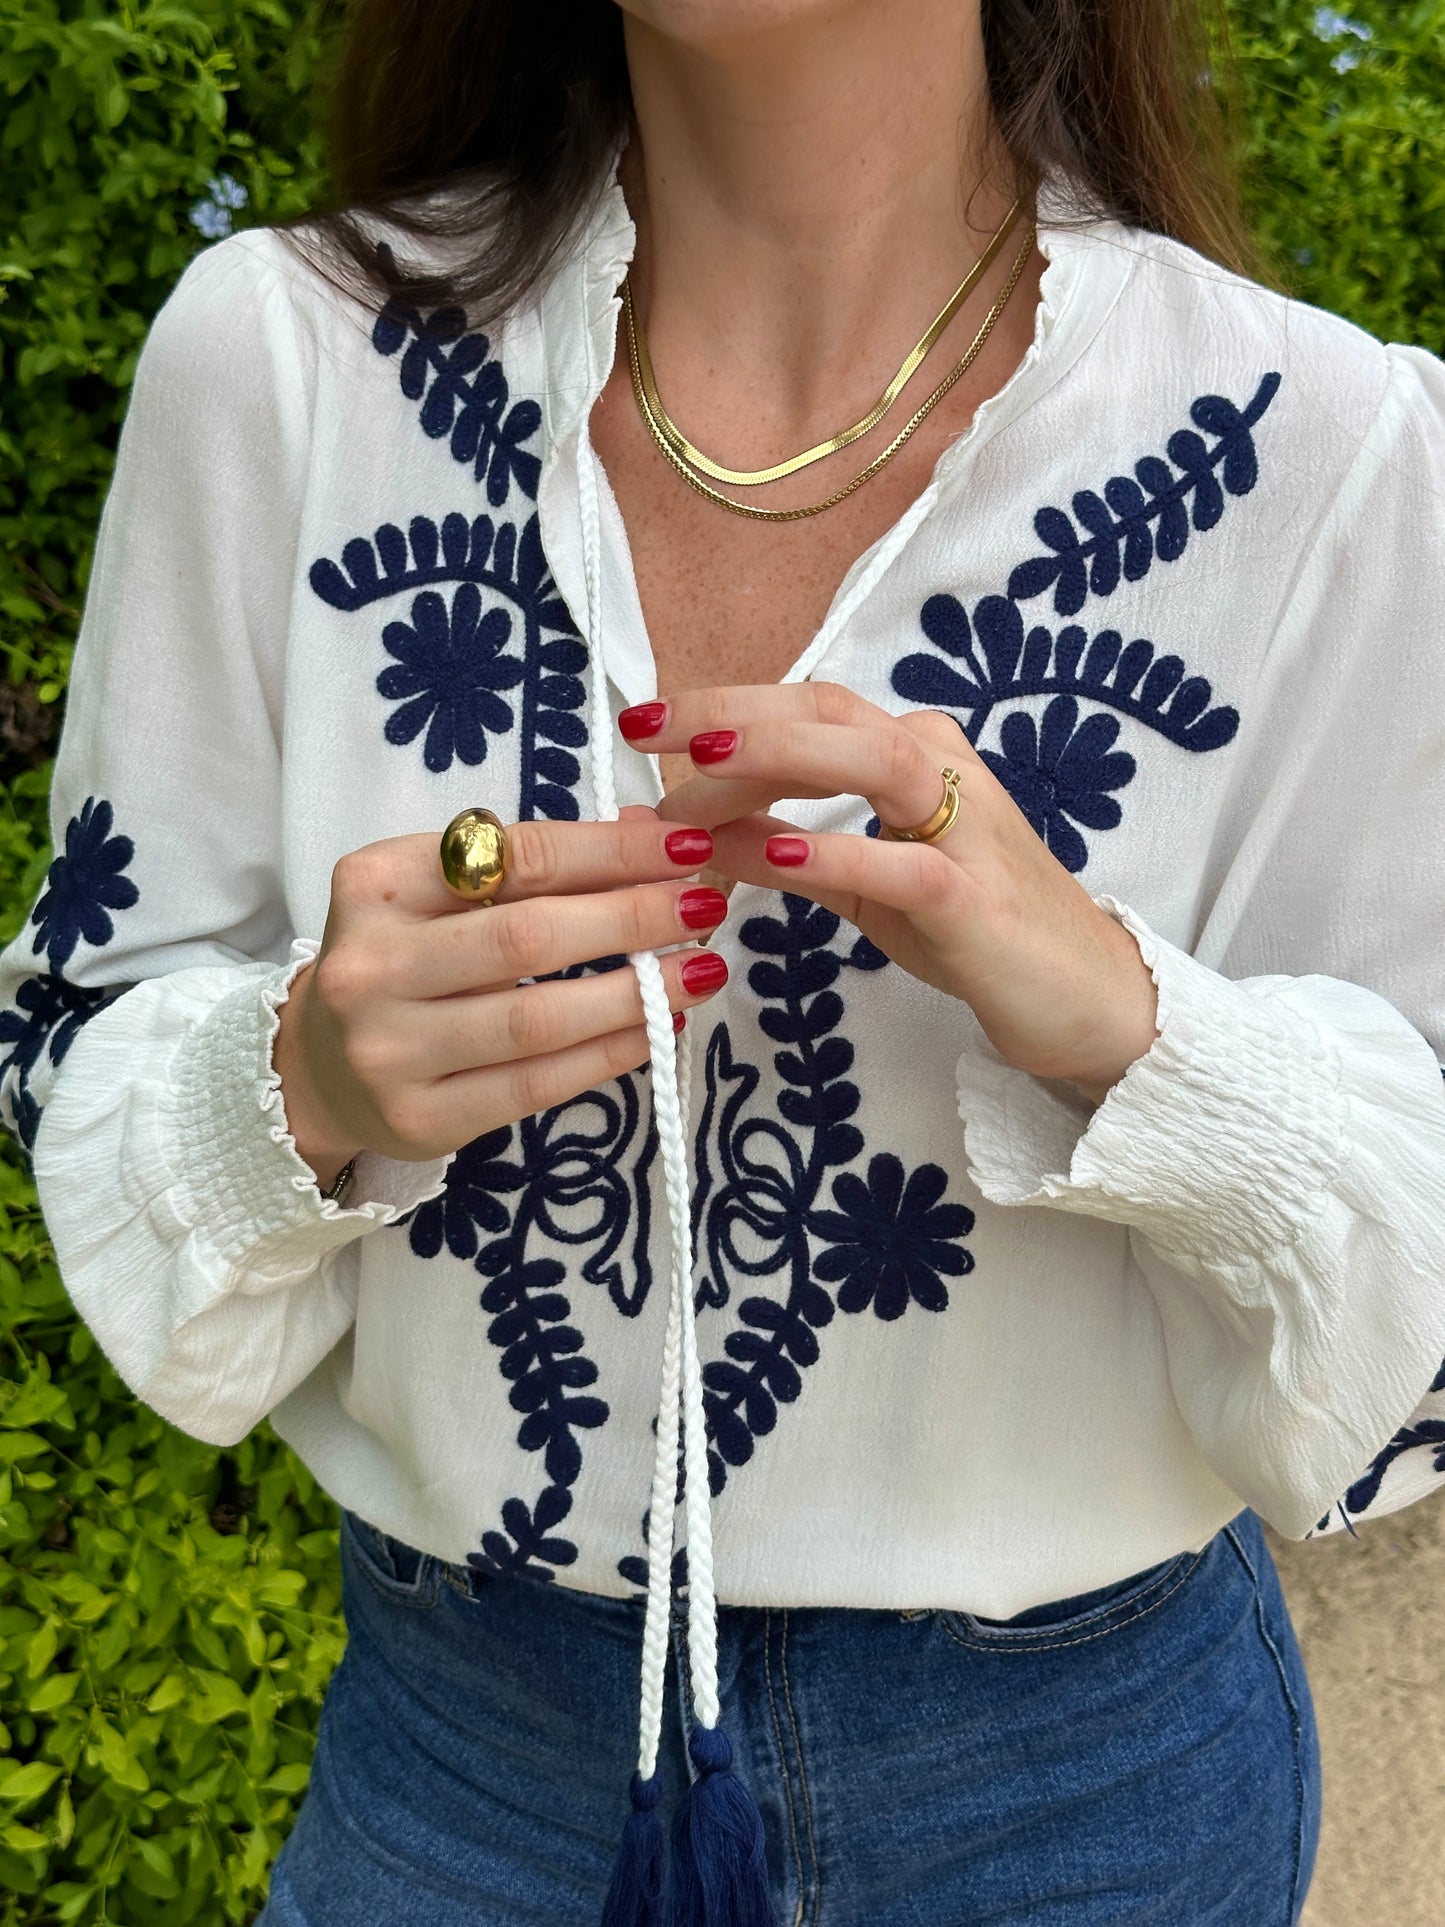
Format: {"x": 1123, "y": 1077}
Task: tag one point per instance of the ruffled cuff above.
{"x": 1217, "y": 1144}
{"x": 241, "y": 1181}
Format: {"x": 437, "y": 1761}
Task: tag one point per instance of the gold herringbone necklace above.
{"x": 649, "y": 407}
{"x": 753, "y": 477}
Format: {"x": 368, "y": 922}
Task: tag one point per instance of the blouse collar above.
{"x": 1088, "y": 263}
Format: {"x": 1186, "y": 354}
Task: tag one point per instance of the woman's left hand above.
{"x": 986, "y": 913}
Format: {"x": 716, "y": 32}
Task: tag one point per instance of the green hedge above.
{"x": 168, "y": 1611}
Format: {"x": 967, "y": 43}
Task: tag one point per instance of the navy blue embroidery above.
{"x": 891, "y": 1241}
{"x": 469, "y": 1207}
{"x": 1420, "y": 1435}
{"x": 1146, "y": 517}
{"x": 1066, "y": 769}
{"x": 47, "y": 1018}
{"x": 464, "y": 395}
{"x": 564, "y": 1175}
{"x": 759, "y": 1211}
{"x": 84, "y": 886}
{"x": 1062, "y": 772}
{"x": 1426, "y": 1434}
{"x": 1007, "y": 664}
{"x": 450, "y": 663}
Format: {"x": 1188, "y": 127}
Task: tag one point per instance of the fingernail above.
{"x": 643, "y": 719}
{"x": 692, "y": 847}
{"x": 679, "y": 1018}
{"x": 703, "y": 973}
{"x": 713, "y": 745}
{"x": 702, "y": 909}
{"x": 787, "y": 851}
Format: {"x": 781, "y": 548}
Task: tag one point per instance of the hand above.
{"x": 986, "y": 914}
{"x": 410, "y": 1034}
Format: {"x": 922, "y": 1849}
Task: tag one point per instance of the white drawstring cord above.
{"x": 680, "y": 1369}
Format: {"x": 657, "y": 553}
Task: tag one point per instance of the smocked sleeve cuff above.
{"x": 1218, "y": 1144}
{"x": 238, "y": 1177}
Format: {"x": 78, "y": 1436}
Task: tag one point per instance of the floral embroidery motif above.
{"x": 563, "y": 1175}
{"x": 46, "y": 1021}
{"x": 758, "y": 1211}
{"x": 84, "y": 886}
{"x": 449, "y": 666}
{"x": 468, "y": 1206}
{"x": 1066, "y": 769}
{"x": 464, "y": 396}
{"x": 1146, "y": 517}
{"x": 450, "y": 663}
{"x": 890, "y": 1241}
{"x": 1062, "y": 772}
{"x": 1423, "y": 1433}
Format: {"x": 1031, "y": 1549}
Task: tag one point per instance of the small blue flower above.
{"x": 213, "y": 216}
{"x": 84, "y": 885}
{"x": 469, "y": 1203}
{"x": 890, "y": 1241}
{"x": 449, "y": 666}
{"x": 1064, "y": 770}
{"x": 1331, "y": 24}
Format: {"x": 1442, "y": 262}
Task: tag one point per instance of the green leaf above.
{"x": 26, "y": 1782}
{"x": 56, "y": 1689}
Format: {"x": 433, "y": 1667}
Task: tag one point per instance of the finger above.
{"x": 669, "y": 724}
{"x": 842, "y": 872}
{"x": 454, "y": 1104}
{"x": 537, "y": 1019}
{"x": 493, "y": 948}
{"x": 403, "y": 874}
{"x": 897, "y": 772}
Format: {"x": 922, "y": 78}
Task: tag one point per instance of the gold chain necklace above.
{"x": 797, "y": 515}
{"x": 754, "y": 477}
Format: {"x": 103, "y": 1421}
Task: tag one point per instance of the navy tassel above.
{"x": 634, "y": 1898}
{"x": 719, "y": 1860}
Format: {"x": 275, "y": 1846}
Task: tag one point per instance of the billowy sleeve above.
{"x": 139, "y": 1002}
{"x": 1278, "y": 1154}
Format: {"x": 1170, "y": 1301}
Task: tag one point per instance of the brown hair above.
{"x": 513, "y": 106}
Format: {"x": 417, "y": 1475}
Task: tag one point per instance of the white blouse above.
{"x": 965, "y": 1341}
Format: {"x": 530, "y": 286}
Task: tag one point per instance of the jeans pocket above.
{"x": 1082, "y": 1616}
{"x": 397, "y": 1571}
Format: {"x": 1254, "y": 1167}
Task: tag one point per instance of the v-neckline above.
{"x": 1085, "y": 272}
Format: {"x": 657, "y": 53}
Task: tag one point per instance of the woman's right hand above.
{"x": 411, "y": 1034}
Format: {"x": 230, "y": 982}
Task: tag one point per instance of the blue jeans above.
{"x": 1146, "y": 1753}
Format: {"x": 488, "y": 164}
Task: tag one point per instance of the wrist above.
{"x": 1127, "y": 1026}
{"x": 319, "y": 1143}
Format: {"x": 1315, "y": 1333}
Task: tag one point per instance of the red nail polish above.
{"x": 678, "y": 1020}
{"x": 643, "y": 719}
{"x": 692, "y": 847}
{"x": 702, "y": 909}
{"x": 786, "y": 851}
{"x": 713, "y": 745}
{"x": 704, "y": 973}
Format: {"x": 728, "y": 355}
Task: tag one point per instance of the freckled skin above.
{"x": 727, "y": 600}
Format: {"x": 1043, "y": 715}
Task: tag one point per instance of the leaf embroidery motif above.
{"x": 1147, "y": 516}
{"x": 464, "y": 396}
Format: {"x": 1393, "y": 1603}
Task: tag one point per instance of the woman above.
{"x": 1049, "y": 1174}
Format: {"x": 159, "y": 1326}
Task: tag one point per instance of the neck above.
{"x": 807, "y": 194}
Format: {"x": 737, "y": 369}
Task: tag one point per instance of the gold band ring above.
{"x": 474, "y": 856}
{"x": 939, "y": 824}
